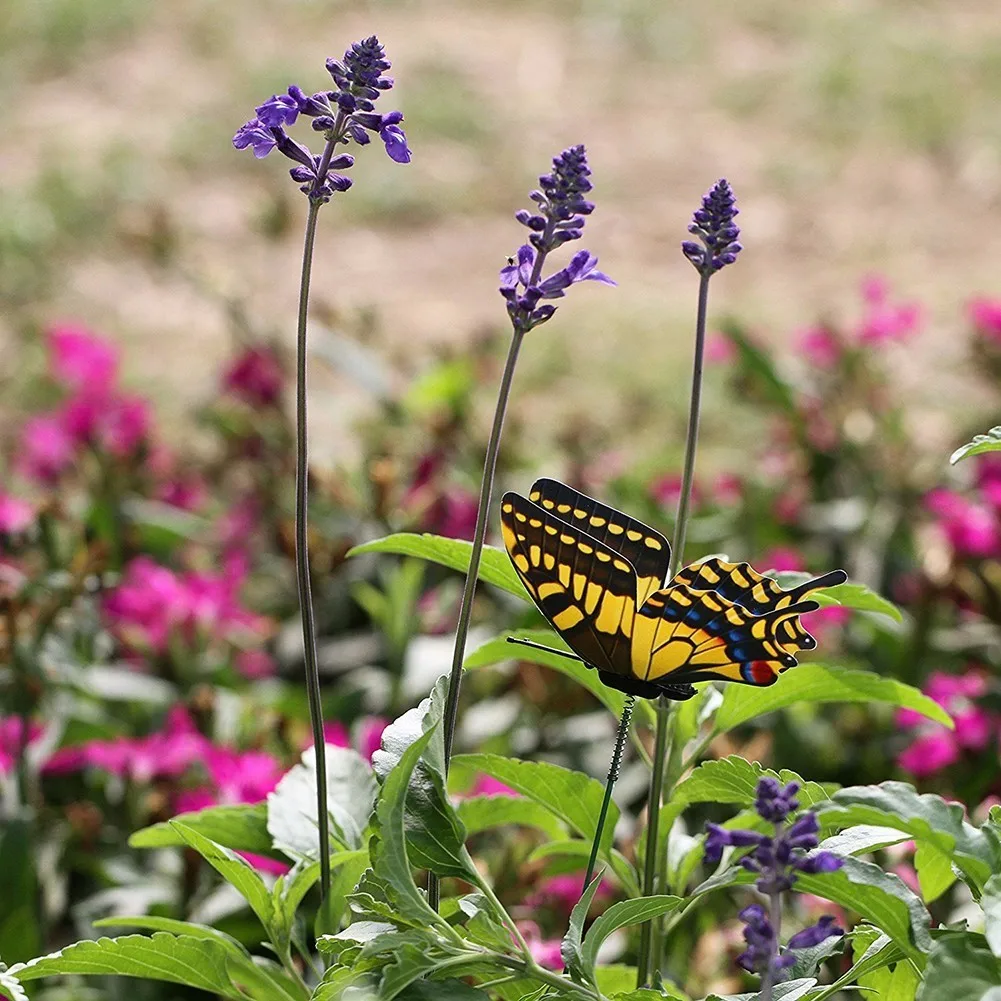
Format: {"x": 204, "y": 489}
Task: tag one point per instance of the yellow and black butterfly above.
{"x": 599, "y": 576}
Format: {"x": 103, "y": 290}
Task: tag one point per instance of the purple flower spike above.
{"x": 714, "y": 226}
{"x": 343, "y": 115}
{"x": 810, "y": 937}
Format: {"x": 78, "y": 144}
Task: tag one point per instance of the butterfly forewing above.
{"x": 646, "y": 550}
{"x": 585, "y": 589}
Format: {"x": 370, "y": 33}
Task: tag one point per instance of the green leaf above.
{"x": 849, "y": 595}
{"x": 807, "y": 961}
{"x": 241, "y": 828}
{"x": 616, "y": 979}
{"x": 480, "y": 813}
{"x": 579, "y": 851}
{"x": 756, "y": 362}
{"x": 177, "y": 959}
{"x": 239, "y": 873}
{"x": 495, "y": 567}
{"x": 666, "y": 993}
{"x": 960, "y": 968}
{"x": 290, "y": 889}
{"x": 821, "y": 683}
{"x": 442, "y": 990}
{"x": 935, "y": 872}
{"x": 20, "y": 932}
{"x": 572, "y": 947}
{"x": 571, "y": 796}
{"x": 990, "y": 901}
{"x": 621, "y": 915}
{"x": 881, "y": 898}
{"x": 264, "y": 980}
{"x": 153, "y": 922}
{"x": 792, "y": 990}
{"x": 388, "y": 847}
{"x": 873, "y": 950}
{"x": 734, "y": 780}
{"x": 351, "y": 789}
{"x": 498, "y": 650}
{"x": 990, "y": 442}
{"x": 927, "y": 818}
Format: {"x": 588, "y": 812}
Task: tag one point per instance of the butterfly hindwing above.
{"x": 741, "y": 584}
{"x": 585, "y": 589}
{"x": 646, "y": 550}
{"x": 682, "y": 635}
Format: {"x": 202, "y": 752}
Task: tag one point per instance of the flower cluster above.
{"x": 256, "y": 376}
{"x": 154, "y": 608}
{"x": 971, "y": 523}
{"x": 346, "y": 113}
{"x": 95, "y": 414}
{"x": 885, "y": 321}
{"x": 936, "y": 747}
{"x": 714, "y": 226}
{"x": 559, "y": 219}
{"x": 777, "y": 859}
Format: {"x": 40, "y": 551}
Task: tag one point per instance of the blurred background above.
{"x": 859, "y": 136}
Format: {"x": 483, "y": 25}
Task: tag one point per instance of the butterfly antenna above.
{"x": 548, "y": 649}
{"x": 613, "y": 774}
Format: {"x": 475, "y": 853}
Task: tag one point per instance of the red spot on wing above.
{"x": 760, "y": 672}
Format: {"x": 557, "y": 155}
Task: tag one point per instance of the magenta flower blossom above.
{"x": 80, "y": 360}
{"x": 487, "y": 785}
{"x": 188, "y": 493}
{"x": 547, "y": 952}
{"x": 720, "y": 349}
{"x": 666, "y": 490}
{"x": 15, "y": 514}
{"x": 727, "y": 490}
{"x": 781, "y": 558}
{"x": 46, "y": 450}
{"x": 972, "y": 528}
{"x": 820, "y": 346}
{"x": 370, "y": 735}
{"x": 882, "y": 320}
{"x": 562, "y": 892}
{"x": 256, "y": 376}
{"x": 255, "y": 664}
{"x": 11, "y": 731}
{"x": 985, "y": 315}
{"x": 929, "y": 753}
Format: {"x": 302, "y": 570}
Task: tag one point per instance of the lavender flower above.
{"x": 343, "y": 115}
{"x": 713, "y": 225}
{"x": 560, "y": 219}
{"x": 777, "y": 859}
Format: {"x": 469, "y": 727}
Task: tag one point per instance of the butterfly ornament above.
{"x": 600, "y": 579}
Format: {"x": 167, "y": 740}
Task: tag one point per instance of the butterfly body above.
{"x": 598, "y": 576}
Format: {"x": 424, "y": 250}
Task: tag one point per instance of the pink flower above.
{"x": 256, "y": 377}
{"x": 985, "y": 315}
{"x": 255, "y": 664}
{"x": 781, "y": 558}
{"x": 46, "y": 450}
{"x": 545, "y": 951}
{"x": 727, "y": 490}
{"x": 882, "y": 321}
{"x": 336, "y": 733}
{"x": 720, "y": 350}
{"x": 909, "y": 876}
{"x": 242, "y": 776}
{"x": 264, "y": 864}
{"x": 972, "y": 528}
{"x": 930, "y": 753}
{"x": 666, "y": 491}
{"x": 15, "y": 514}
{"x": 563, "y": 891}
{"x": 81, "y": 360}
{"x": 457, "y": 518}
{"x": 487, "y": 785}
{"x": 820, "y": 346}
{"x": 193, "y": 800}
{"x": 187, "y": 493}
{"x": 370, "y": 735}
{"x": 826, "y": 620}
{"x": 11, "y": 731}
{"x": 112, "y": 422}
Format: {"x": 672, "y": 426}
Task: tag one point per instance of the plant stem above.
{"x": 469, "y": 588}
{"x": 505, "y": 918}
{"x": 302, "y": 552}
{"x": 613, "y": 774}
{"x": 648, "y": 948}
{"x": 775, "y": 915}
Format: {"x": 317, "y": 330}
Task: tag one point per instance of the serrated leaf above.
{"x": 153, "y": 922}
{"x": 572, "y": 946}
{"x": 290, "y": 889}
{"x": 177, "y": 959}
{"x": 734, "y": 780}
{"x": 960, "y": 968}
{"x": 242, "y": 828}
{"x": 926, "y": 818}
{"x": 807, "y": 961}
{"x": 820, "y": 683}
{"x": 495, "y": 567}
{"x": 862, "y": 839}
{"x": 442, "y": 990}
{"x": 264, "y": 980}
{"x": 874, "y": 950}
{"x": 351, "y": 789}
{"x": 481, "y": 813}
{"x": 848, "y": 595}
{"x": 498, "y": 650}
{"x": 982, "y": 443}
{"x": 11, "y": 988}
{"x": 990, "y": 901}
{"x": 792, "y": 990}
{"x": 239, "y": 873}
{"x": 573, "y": 797}
{"x": 621, "y": 915}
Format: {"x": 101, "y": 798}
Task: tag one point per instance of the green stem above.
{"x": 302, "y": 552}
{"x": 505, "y": 918}
{"x": 613, "y": 774}
{"x": 530, "y": 968}
{"x": 469, "y": 588}
{"x": 648, "y": 948}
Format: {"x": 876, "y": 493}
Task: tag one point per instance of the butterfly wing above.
{"x": 646, "y": 550}
{"x": 585, "y": 589}
{"x": 742, "y": 585}
{"x": 682, "y": 635}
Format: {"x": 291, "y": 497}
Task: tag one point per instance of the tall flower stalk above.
{"x": 559, "y": 219}
{"x": 717, "y": 235}
{"x": 343, "y": 115}
{"x": 777, "y": 858}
